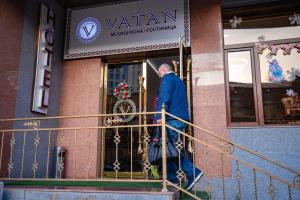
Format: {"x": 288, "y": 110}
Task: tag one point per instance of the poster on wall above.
{"x": 131, "y": 26}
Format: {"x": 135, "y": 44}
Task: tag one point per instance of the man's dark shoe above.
{"x": 193, "y": 181}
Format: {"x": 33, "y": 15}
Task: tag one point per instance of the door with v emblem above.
{"x": 124, "y": 95}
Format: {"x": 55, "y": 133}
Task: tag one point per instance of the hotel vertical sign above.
{"x": 132, "y": 26}
{"x": 44, "y": 61}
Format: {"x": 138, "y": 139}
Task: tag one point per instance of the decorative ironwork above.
{"x": 223, "y": 177}
{"x": 61, "y": 166}
{"x": 89, "y": 164}
{"x": 297, "y": 181}
{"x": 10, "y": 167}
{"x": 179, "y": 144}
{"x": 147, "y": 165}
{"x": 75, "y": 150}
{"x": 238, "y": 176}
{"x": 272, "y": 189}
{"x": 108, "y": 121}
{"x": 290, "y": 193}
{"x": 13, "y": 164}
{"x": 254, "y": 184}
{"x": 226, "y": 147}
{"x": 1, "y": 153}
{"x": 12, "y": 144}
{"x": 180, "y": 175}
{"x": 116, "y": 165}
{"x": 117, "y": 138}
{"x": 12, "y": 141}
{"x": 147, "y": 138}
{"x": 48, "y": 154}
{"x": 23, "y": 153}
{"x": 33, "y": 124}
{"x": 35, "y": 166}
{"x": 37, "y": 140}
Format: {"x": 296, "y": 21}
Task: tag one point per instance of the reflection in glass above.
{"x": 280, "y": 85}
{"x": 242, "y": 104}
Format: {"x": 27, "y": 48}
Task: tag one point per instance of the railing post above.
{"x": 164, "y": 153}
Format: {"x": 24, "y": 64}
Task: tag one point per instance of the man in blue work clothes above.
{"x": 172, "y": 93}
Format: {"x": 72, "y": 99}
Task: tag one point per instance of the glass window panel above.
{"x": 280, "y": 84}
{"x": 242, "y": 104}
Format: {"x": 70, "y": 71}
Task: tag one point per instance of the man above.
{"x": 172, "y": 93}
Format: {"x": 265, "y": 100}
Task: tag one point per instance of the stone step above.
{"x": 86, "y": 193}
{"x": 201, "y": 194}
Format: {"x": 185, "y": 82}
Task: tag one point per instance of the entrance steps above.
{"x": 86, "y": 193}
{"x": 92, "y": 190}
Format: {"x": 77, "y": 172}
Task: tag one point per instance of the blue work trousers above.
{"x": 172, "y": 164}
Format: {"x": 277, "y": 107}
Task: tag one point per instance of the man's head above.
{"x": 163, "y": 69}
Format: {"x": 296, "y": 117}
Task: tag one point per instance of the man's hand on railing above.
{"x": 158, "y": 121}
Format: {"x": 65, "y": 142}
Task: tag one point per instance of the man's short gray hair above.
{"x": 165, "y": 66}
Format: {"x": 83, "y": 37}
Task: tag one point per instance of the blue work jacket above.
{"x": 172, "y": 93}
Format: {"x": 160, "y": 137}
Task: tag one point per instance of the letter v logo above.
{"x": 88, "y": 30}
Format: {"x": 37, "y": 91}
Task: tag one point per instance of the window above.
{"x": 262, "y": 56}
{"x": 241, "y": 86}
{"x": 280, "y": 83}
{"x": 263, "y": 85}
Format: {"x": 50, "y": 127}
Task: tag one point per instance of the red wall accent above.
{"x": 208, "y": 86}
{"x": 11, "y": 25}
{"x": 80, "y": 95}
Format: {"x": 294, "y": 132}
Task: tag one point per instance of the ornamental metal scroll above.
{"x": 226, "y": 147}
{"x": 297, "y": 181}
{"x": 33, "y": 124}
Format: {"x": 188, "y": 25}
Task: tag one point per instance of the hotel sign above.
{"x": 133, "y": 26}
{"x": 43, "y": 61}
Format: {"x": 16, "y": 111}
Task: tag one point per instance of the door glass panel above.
{"x": 123, "y": 99}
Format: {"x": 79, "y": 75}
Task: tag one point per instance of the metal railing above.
{"x": 259, "y": 182}
{"x": 97, "y": 146}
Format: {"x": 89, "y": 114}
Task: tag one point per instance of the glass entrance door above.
{"x": 129, "y": 88}
{"x": 124, "y": 94}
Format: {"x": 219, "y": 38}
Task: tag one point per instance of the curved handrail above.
{"x": 233, "y": 157}
{"x": 237, "y": 145}
{"x": 77, "y": 116}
